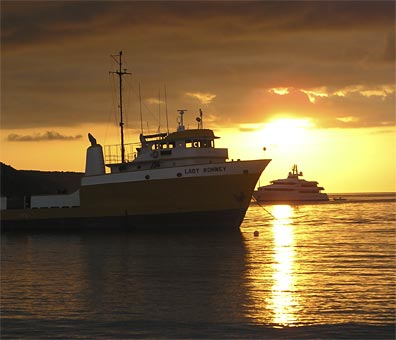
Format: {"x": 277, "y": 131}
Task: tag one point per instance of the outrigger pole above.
{"x": 120, "y": 73}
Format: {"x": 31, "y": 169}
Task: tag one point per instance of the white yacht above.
{"x": 290, "y": 189}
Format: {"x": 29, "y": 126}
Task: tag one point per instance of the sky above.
{"x": 311, "y": 82}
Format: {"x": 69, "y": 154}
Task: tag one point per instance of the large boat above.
{"x": 178, "y": 179}
{"x": 291, "y": 189}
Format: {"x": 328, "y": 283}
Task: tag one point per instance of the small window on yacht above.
{"x": 189, "y": 144}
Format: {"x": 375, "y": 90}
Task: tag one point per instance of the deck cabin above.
{"x": 185, "y": 147}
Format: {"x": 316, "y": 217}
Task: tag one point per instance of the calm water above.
{"x": 315, "y": 271}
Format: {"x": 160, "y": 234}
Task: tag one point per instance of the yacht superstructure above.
{"x": 291, "y": 189}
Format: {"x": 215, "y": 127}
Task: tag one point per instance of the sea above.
{"x": 312, "y": 271}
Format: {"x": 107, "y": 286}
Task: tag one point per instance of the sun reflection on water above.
{"x": 282, "y": 301}
{"x": 271, "y": 272}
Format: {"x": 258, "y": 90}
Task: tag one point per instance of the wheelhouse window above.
{"x": 163, "y": 146}
{"x": 198, "y": 143}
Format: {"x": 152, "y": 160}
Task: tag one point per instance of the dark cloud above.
{"x": 55, "y": 59}
{"x": 39, "y": 21}
{"x": 390, "y": 48}
{"x": 38, "y": 137}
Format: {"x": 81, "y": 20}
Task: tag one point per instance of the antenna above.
{"x": 181, "y": 122}
{"x": 120, "y": 72}
{"x": 166, "y": 111}
{"x": 200, "y": 120}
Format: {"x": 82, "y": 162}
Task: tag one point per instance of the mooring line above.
{"x": 264, "y": 208}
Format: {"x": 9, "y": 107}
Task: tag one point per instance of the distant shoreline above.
{"x": 364, "y": 194}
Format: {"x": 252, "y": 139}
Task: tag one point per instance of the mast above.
{"x": 120, "y": 72}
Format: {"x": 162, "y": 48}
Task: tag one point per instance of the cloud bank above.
{"x": 38, "y": 137}
{"x": 203, "y": 98}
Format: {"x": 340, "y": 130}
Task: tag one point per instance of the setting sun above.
{"x": 286, "y": 131}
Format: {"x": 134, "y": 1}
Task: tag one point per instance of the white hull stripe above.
{"x": 198, "y": 170}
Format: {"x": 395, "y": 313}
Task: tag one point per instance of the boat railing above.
{"x": 112, "y": 153}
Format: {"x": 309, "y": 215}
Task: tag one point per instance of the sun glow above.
{"x": 286, "y": 131}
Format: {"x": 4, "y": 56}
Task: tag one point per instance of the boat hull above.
{"x": 198, "y": 198}
{"x": 280, "y": 197}
{"x": 207, "y": 220}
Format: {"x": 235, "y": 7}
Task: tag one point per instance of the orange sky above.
{"x": 313, "y": 82}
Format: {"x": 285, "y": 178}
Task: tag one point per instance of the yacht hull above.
{"x": 277, "y": 197}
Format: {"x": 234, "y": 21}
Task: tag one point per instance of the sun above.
{"x": 286, "y": 131}
{"x": 280, "y": 138}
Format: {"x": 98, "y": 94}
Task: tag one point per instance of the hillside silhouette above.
{"x": 19, "y": 183}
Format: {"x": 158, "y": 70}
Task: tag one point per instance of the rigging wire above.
{"x": 159, "y": 110}
{"x": 112, "y": 110}
{"x": 140, "y": 109}
{"x": 135, "y": 90}
{"x": 128, "y": 104}
{"x": 269, "y": 213}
